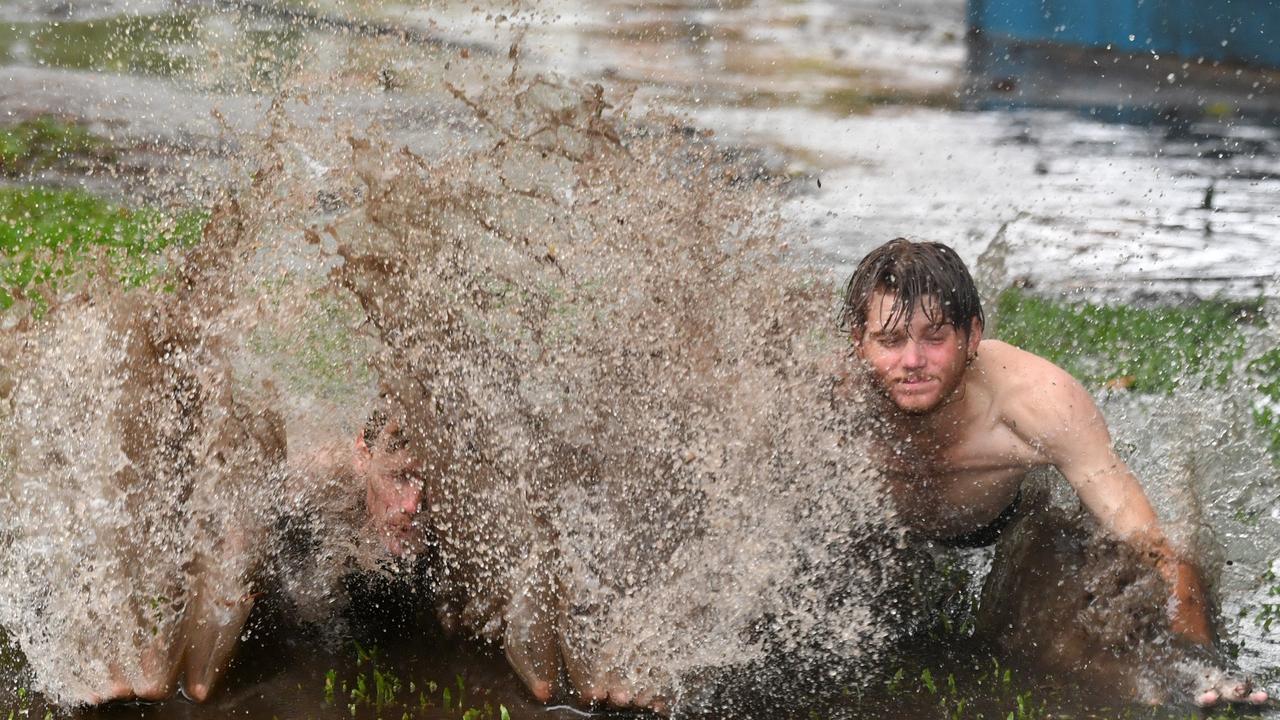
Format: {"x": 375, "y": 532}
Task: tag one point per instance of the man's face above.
{"x": 393, "y": 495}
{"x": 919, "y": 365}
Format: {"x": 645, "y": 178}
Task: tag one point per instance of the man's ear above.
{"x": 362, "y": 453}
{"x": 975, "y": 338}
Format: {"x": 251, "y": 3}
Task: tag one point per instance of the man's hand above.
{"x": 1189, "y": 618}
{"x": 1218, "y": 686}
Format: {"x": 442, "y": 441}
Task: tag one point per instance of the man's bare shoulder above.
{"x": 1028, "y": 390}
{"x": 1011, "y": 368}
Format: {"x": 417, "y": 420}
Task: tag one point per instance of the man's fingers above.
{"x": 1208, "y": 698}
{"x": 1232, "y": 692}
{"x": 1235, "y": 691}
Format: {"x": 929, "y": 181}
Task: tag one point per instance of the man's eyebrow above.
{"x": 935, "y": 327}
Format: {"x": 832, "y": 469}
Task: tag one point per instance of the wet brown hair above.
{"x": 912, "y": 272}
{"x": 373, "y": 433}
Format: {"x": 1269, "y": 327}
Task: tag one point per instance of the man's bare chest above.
{"x": 949, "y": 488}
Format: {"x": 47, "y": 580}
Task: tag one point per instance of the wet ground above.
{"x": 867, "y": 105}
{"x": 862, "y": 105}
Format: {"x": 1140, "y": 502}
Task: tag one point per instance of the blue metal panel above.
{"x": 1240, "y": 31}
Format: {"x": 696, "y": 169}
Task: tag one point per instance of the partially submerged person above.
{"x": 964, "y": 419}
{"x": 369, "y": 489}
{"x": 372, "y": 483}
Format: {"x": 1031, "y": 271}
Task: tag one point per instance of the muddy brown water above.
{"x": 1151, "y": 185}
{"x": 282, "y": 671}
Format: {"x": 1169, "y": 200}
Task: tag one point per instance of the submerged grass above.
{"x": 981, "y": 687}
{"x": 44, "y": 142}
{"x": 991, "y": 692}
{"x": 375, "y": 689}
{"x": 46, "y": 235}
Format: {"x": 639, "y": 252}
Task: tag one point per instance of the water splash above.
{"x": 619, "y": 389}
{"x": 622, "y": 394}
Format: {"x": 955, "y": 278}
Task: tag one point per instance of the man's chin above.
{"x": 402, "y": 544}
{"x": 916, "y": 404}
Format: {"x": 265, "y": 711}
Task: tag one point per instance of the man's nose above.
{"x": 410, "y": 501}
{"x": 912, "y": 356}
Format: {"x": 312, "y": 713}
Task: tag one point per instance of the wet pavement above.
{"x": 859, "y": 102}
{"x": 847, "y": 95}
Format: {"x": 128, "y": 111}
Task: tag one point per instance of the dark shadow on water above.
{"x": 391, "y": 640}
{"x": 387, "y": 645}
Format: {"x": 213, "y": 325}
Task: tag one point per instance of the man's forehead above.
{"x": 882, "y": 312}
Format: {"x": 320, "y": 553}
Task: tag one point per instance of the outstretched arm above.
{"x": 1071, "y": 432}
{"x": 1061, "y": 418}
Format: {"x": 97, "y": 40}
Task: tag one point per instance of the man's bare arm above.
{"x": 1071, "y": 432}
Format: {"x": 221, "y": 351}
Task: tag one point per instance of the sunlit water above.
{"x": 1114, "y": 209}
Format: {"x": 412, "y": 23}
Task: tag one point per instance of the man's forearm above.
{"x": 1188, "y": 609}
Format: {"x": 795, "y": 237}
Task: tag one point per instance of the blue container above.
{"x": 1245, "y": 32}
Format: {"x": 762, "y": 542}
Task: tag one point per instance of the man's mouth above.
{"x": 910, "y": 386}
{"x": 401, "y": 540}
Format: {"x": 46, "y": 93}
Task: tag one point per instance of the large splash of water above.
{"x": 623, "y": 395}
{"x": 138, "y": 479}
{"x": 618, "y": 387}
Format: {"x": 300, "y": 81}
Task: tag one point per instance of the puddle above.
{"x": 855, "y": 101}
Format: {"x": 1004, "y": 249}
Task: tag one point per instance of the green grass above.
{"x": 1151, "y": 350}
{"x": 46, "y": 235}
{"x": 1159, "y": 348}
{"x": 984, "y": 690}
{"x": 376, "y": 687}
{"x": 1266, "y": 370}
{"x": 43, "y": 142}
{"x": 141, "y": 44}
{"x": 177, "y": 44}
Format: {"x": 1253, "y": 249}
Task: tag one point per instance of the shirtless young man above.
{"x": 966, "y": 418}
